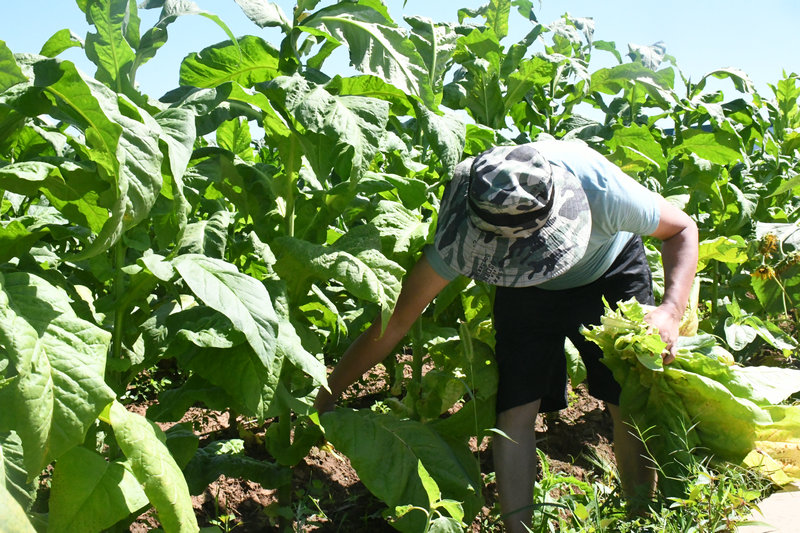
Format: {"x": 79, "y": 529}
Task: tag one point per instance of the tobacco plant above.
{"x": 243, "y": 228}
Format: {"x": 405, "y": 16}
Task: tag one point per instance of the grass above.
{"x": 716, "y": 498}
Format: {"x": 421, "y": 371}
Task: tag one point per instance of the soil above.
{"x": 329, "y": 497}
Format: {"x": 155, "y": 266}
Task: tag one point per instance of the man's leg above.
{"x": 636, "y": 472}
{"x": 515, "y": 464}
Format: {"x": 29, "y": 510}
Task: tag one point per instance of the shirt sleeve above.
{"x": 438, "y": 264}
{"x": 630, "y": 206}
{"x": 619, "y": 202}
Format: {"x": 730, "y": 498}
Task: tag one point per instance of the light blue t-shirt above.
{"x": 620, "y": 206}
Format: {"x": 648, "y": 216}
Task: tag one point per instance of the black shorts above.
{"x": 532, "y": 323}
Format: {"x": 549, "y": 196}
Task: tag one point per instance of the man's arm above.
{"x": 371, "y": 347}
{"x": 679, "y": 255}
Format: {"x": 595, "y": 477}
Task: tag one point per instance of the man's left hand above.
{"x": 667, "y": 321}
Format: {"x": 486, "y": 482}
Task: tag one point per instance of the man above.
{"x": 555, "y": 227}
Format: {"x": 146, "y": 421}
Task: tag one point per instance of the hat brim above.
{"x": 521, "y": 261}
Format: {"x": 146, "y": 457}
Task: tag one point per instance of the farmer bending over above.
{"x": 555, "y": 227}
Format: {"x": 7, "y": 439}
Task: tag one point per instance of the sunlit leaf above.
{"x": 89, "y": 493}
{"x": 60, "y": 41}
{"x": 253, "y": 61}
{"x": 376, "y": 46}
{"x": 58, "y": 362}
{"x": 142, "y": 442}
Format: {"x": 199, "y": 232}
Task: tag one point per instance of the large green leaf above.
{"x": 138, "y": 177}
{"x": 60, "y": 41}
{"x": 446, "y": 133}
{"x": 252, "y": 60}
{"x": 182, "y": 442}
{"x": 16, "y": 239}
{"x": 731, "y": 250}
{"x": 477, "y": 87}
{"x": 529, "y": 73}
{"x": 290, "y": 345}
{"x": 228, "y": 458}
{"x": 140, "y": 156}
{"x": 377, "y": 46}
{"x": 436, "y": 43}
{"x": 121, "y": 139}
{"x": 275, "y": 129}
{"x": 14, "y": 518}
{"x": 265, "y": 14}
{"x": 473, "y": 362}
{"x": 241, "y": 298}
{"x": 366, "y": 274}
{"x": 497, "y": 16}
{"x": 74, "y": 189}
{"x": 373, "y": 87}
{"x": 156, "y": 36}
{"x": 237, "y": 371}
{"x": 411, "y": 192}
{"x": 234, "y": 136}
{"x": 173, "y": 403}
{"x": 621, "y": 77}
{"x": 77, "y": 102}
{"x": 13, "y": 476}
{"x": 340, "y": 132}
{"x": 57, "y": 361}
{"x": 719, "y": 147}
{"x": 205, "y": 343}
{"x": 480, "y": 48}
{"x": 10, "y": 73}
{"x": 178, "y": 132}
{"x": 725, "y": 423}
{"x": 779, "y": 293}
{"x": 89, "y": 493}
{"x": 207, "y": 237}
{"x": 739, "y": 78}
{"x": 108, "y": 48}
{"x": 368, "y": 439}
{"x": 142, "y": 442}
{"x": 402, "y": 230}
{"x": 639, "y": 148}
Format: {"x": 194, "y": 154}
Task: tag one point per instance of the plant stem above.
{"x": 715, "y": 290}
{"x": 284, "y": 492}
{"x": 417, "y": 352}
{"x": 414, "y": 387}
{"x": 292, "y": 171}
{"x": 794, "y": 313}
{"x": 119, "y": 293}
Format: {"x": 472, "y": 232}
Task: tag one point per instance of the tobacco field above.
{"x": 170, "y": 258}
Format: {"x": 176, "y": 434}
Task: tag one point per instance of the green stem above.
{"x": 794, "y": 313}
{"x": 292, "y": 171}
{"x": 284, "y": 492}
{"x": 119, "y": 292}
{"x": 290, "y": 201}
{"x": 414, "y": 387}
{"x": 417, "y": 352}
{"x": 715, "y": 290}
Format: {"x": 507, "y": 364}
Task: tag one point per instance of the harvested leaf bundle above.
{"x": 702, "y": 403}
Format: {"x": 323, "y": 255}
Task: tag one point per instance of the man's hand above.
{"x": 377, "y": 342}
{"x": 667, "y": 320}
{"x": 679, "y": 250}
{"x": 324, "y": 402}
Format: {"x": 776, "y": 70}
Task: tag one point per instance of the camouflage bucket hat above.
{"x": 510, "y": 218}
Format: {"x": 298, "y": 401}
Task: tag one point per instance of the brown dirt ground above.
{"x": 327, "y": 494}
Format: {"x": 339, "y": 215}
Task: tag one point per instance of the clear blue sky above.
{"x": 761, "y": 38}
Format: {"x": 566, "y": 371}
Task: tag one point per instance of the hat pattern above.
{"x": 510, "y": 218}
{"x": 510, "y": 191}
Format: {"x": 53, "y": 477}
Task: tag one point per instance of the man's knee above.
{"x": 520, "y": 415}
